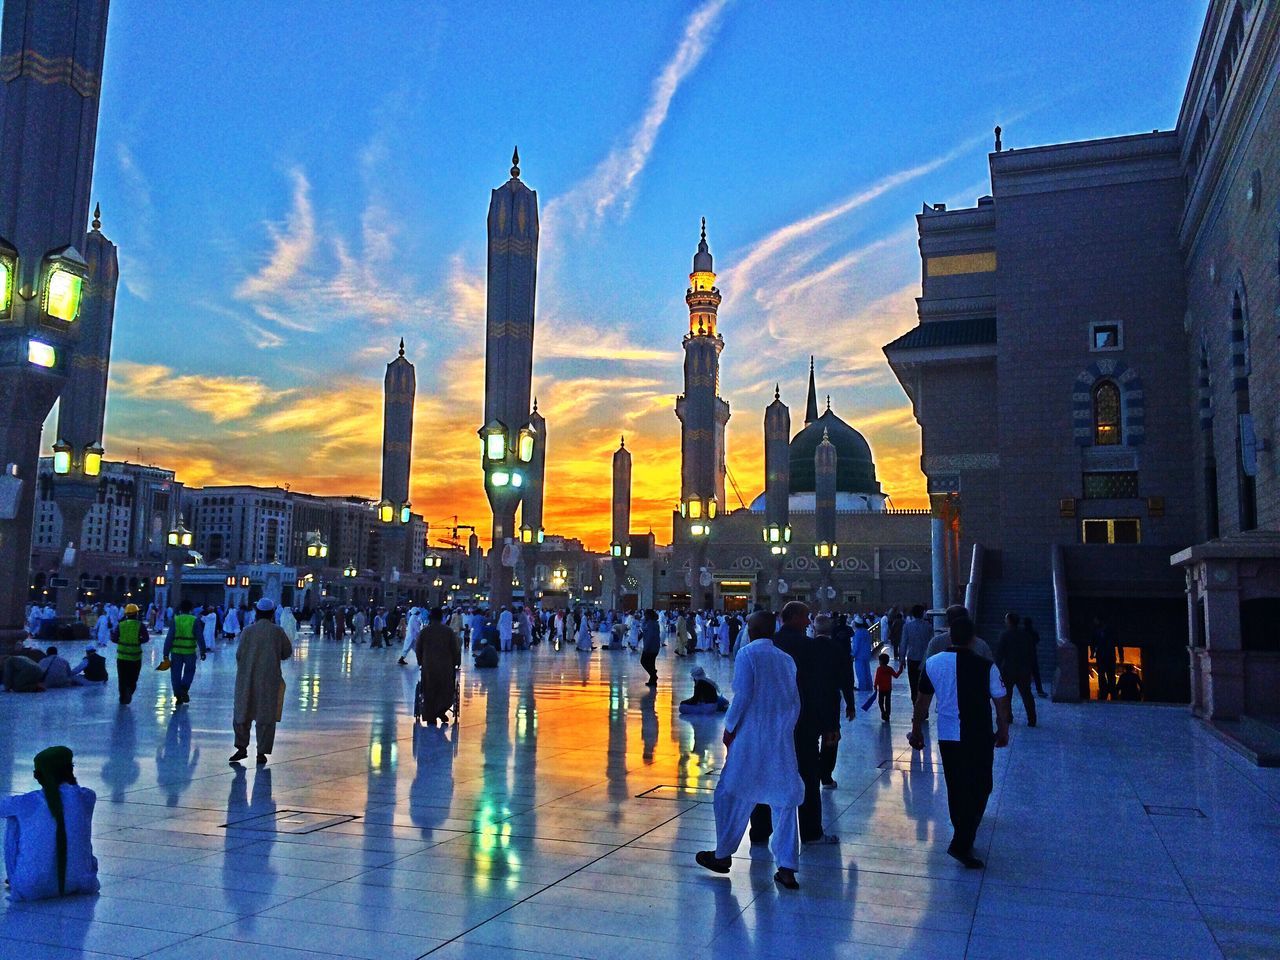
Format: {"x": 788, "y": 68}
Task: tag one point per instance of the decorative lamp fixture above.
{"x": 349, "y": 571}
{"x": 160, "y": 580}
{"x": 825, "y": 550}
{"x": 529, "y": 535}
{"x": 431, "y": 561}
{"x": 406, "y": 513}
{"x": 231, "y": 581}
{"x": 41, "y": 354}
{"x": 91, "y": 465}
{"x": 180, "y": 536}
{"x": 62, "y": 458}
{"x": 524, "y": 444}
{"x": 386, "y": 511}
{"x": 8, "y": 270}
{"x": 244, "y": 581}
{"x": 63, "y": 287}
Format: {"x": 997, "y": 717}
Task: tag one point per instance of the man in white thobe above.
{"x": 506, "y": 627}
{"x": 759, "y": 733}
{"x": 413, "y": 627}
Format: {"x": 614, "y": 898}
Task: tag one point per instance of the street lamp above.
{"x": 529, "y": 534}
{"x": 777, "y": 535}
{"x": 349, "y": 571}
{"x": 432, "y": 561}
{"x": 180, "y": 536}
{"x": 826, "y": 550}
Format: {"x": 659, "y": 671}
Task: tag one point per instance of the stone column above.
{"x": 1223, "y": 682}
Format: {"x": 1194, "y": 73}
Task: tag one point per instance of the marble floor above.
{"x": 560, "y": 819}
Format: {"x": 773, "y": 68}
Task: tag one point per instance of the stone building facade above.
{"x": 1084, "y": 371}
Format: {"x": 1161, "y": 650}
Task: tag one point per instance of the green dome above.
{"x": 855, "y": 468}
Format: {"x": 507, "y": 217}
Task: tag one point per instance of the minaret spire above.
{"x": 515, "y": 164}
{"x": 97, "y": 216}
{"x": 811, "y": 407}
{"x": 402, "y": 346}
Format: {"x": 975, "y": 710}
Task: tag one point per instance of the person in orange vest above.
{"x": 129, "y": 636}
{"x": 180, "y": 648}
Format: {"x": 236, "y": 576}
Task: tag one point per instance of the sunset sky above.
{"x": 295, "y": 186}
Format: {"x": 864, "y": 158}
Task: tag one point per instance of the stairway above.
{"x": 1030, "y": 598}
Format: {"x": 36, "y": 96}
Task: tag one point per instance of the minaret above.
{"x": 51, "y": 57}
{"x": 620, "y": 543}
{"x": 508, "y": 361}
{"x": 399, "y": 388}
{"x": 703, "y": 414}
{"x": 811, "y": 404}
{"x": 824, "y": 468}
{"x": 777, "y": 486}
{"x": 531, "y": 505}
{"x": 83, "y": 404}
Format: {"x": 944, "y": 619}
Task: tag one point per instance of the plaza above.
{"x": 560, "y": 817}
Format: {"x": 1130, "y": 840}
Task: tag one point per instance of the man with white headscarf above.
{"x": 412, "y": 627}
{"x": 259, "y": 682}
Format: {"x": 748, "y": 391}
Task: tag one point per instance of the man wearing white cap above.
{"x": 259, "y": 682}
{"x": 412, "y": 627}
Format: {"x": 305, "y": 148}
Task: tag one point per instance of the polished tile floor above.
{"x": 560, "y": 819}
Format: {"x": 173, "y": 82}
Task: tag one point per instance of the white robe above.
{"x": 210, "y": 621}
{"x": 289, "y": 624}
{"x": 761, "y": 764}
{"x": 584, "y": 635}
{"x": 231, "y": 624}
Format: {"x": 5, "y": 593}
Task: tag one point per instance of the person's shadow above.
{"x": 176, "y": 761}
{"x": 239, "y": 809}
{"x": 121, "y": 769}
{"x": 649, "y": 723}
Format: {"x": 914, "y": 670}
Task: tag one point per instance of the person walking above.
{"x": 1029, "y": 629}
{"x": 506, "y": 629}
{"x": 916, "y": 633}
{"x": 957, "y": 611}
{"x": 259, "y": 682}
{"x": 412, "y": 628}
{"x": 862, "y": 653}
{"x": 650, "y": 644}
{"x": 439, "y": 653}
{"x": 761, "y": 766}
{"x": 1104, "y": 657}
{"x": 885, "y": 675}
{"x": 966, "y": 684}
{"x": 181, "y": 644}
{"x": 1013, "y": 657}
{"x": 682, "y": 635}
{"x": 824, "y": 633}
{"x": 129, "y": 636}
{"x": 816, "y": 677}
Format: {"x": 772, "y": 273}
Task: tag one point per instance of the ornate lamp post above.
{"x": 317, "y": 559}
{"x": 179, "y": 542}
{"x": 699, "y": 512}
{"x": 48, "y": 128}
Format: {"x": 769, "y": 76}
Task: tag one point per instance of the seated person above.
{"x": 21, "y": 674}
{"x": 93, "y": 667}
{"x": 48, "y": 847}
{"x": 486, "y": 655}
{"x": 55, "y": 670}
{"x": 616, "y": 636}
{"x": 706, "y": 697}
{"x": 1130, "y": 684}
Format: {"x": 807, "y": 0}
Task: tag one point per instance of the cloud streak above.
{"x": 612, "y": 183}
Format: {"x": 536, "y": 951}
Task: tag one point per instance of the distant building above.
{"x": 1097, "y": 381}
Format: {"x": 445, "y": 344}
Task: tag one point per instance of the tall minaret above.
{"x": 811, "y": 403}
{"x": 51, "y": 54}
{"x": 508, "y": 363}
{"x": 777, "y": 487}
{"x": 703, "y": 414}
{"x": 824, "y": 470}
{"x": 399, "y": 387}
{"x": 620, "y": 544}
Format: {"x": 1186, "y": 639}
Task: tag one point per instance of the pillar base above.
{"x": 1066, "y": 688}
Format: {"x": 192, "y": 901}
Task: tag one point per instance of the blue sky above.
{"x": 294, "y": 186}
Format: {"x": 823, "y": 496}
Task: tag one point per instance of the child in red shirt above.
{"x": 884, "y": 685}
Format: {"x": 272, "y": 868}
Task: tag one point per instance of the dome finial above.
{"x": 828, "y": 403}
{"x": 515, "y": 164}
{"x": 811, "y": 402}
{"x": 704, "y": 229}
{"x": 623, "y": 442}
{"x": 777, "y": 391}
{"x": 402, "y": 346}
{"x": 535, "y": 404}
{"x": 97, "y": 216}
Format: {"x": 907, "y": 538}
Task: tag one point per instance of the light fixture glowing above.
{"x": 526, "y": 445}
{"x": 62, "y": 458}
{"x": 495, "y": 445}
{"x": 695, "y": 509}
{"x": 41, "y": 354}
{"x": 62, "y": 292}
{"x": 517, "y": 478}
{"x": 6, "y": 285}
{"x": 406, "y": 513}
{"x": 386, "y": 512}
{"x": 500, "y": 478}
{"x": 92, "y": 464}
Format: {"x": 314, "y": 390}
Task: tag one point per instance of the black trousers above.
{"x": 886, "y": 704}
{"x": 1022, "y": 682}
{"x": 649, "y": 660}
{"x": 967, "y": 770}
{"x": 827, "y": 754}
{"x": 127, "y": 673}
{"x": 913, "y": 677}
{"x": 808, "y": 758}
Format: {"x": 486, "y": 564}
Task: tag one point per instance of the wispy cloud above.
{"x": 612, "y": 182}
{"x": 292, "y": 244}
{"x": 135, "y": 256}
{"x": 223, "y": 399}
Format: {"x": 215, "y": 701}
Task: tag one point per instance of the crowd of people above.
{"x": 796, "y": 676}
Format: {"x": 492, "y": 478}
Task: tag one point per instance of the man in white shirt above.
{"x": 761, "y": 764}
{"x": 505, "y": 629}
{"x": 965, "y": 685}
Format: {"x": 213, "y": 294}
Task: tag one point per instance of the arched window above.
{"x": 1106, "y": 414}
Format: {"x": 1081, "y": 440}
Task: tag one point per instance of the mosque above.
{"x": 824, "y": 535}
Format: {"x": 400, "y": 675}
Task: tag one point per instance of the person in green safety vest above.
{"x": 129, "y": 636}
{"x": 185, "y": 638}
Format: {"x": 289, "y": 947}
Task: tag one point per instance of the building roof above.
{"x": 947, "y": 333}
{"x": 855, "y": 469}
